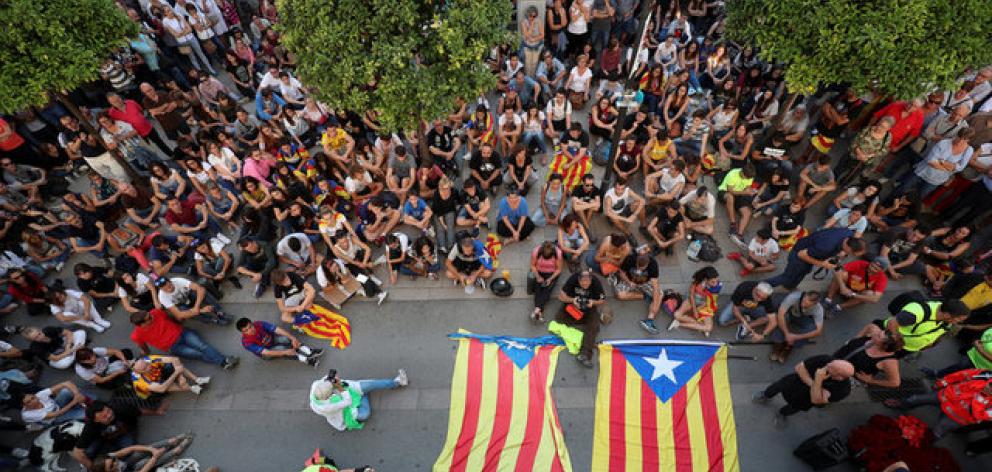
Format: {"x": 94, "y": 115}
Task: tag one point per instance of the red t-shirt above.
{"x": 187, "y": 217}
{"x": 13, "y": 141}
{"x": 910, "y": 125}
{"x": 856, "y": 277}
{"x": 161, "y": 333}
{"x": 133, "y": 115}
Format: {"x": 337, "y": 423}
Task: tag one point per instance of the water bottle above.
{"x": 693, "y": 251}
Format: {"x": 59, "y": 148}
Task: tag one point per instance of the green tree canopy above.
{"x": 55, "y": 45}
{"x": 897, "y": 47}
{"x": 420, "y": 53}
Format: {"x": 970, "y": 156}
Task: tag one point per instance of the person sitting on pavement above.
{"x": 823, "y": 249}
{"x": 107, "y": 428}
{"x": 637, "y": 279}
{"x": 581, "y": 296}
{"x": 53, "y": 405}
{"x": 699, "y": 209}
{"x": 751, "y": 306}
{"x": 546, "y": 265}
{"x": 185, "y": 299}
{"x": 697, "y": 310}
{"x": 102, "y": 367}
{"x": 922, "y": 324}
{"x": 56, "y": 345}
{"x": 140, "y": 458}
{"x": 799, "y": 319}
{"x": 666, "y": 228}
{"x": 851, "y": 218}
{"x": 269, "y": 341}
{"x": 99, "y": 284}
{"x": 156, "y": 375}
{"x": 816, "y": 382}
{"x": 345, "y": 403}
{"x": 297, "y": 252}
{"x": 762, "y": 252}
{"x": 975, "y": 291}
{"x": 737, "y": 191}
{"x": 257, "y": 260}
{"x": 469, "y": 263}
{"x": 75, "y": 307}
{"x": 586, "y": 200}
{"x": 622, "y": 205}
{"x": 513, "y": 221}
{"x": 874, "y": 354}
{"x": 902, "y": 246}
{"x": 157, "y": 329}
{"x": 608, "y": 257}
{"x": 858, "y": 282}
{"x": 963, "y": 398}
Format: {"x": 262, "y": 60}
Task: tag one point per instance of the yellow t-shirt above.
{"x": 660, "y": 151}
{"x": 978, "y": 297}
{"x": 735, "y": 182}
{"x": 334, "y": 140}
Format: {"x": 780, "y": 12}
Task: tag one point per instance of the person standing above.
{"x": 816, "y": 382}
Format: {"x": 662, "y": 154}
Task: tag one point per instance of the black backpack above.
{"x": 824, "y": 450}
{"x": 710, "y": 250}
{"x": 912, "y": 296}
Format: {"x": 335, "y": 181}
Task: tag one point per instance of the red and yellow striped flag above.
{"x": 502, "y": 416}
{"x": 663, "y": 406}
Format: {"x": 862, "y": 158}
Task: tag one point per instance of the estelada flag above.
{"x": 663, "y": 406}
{"x": 502, "y": 416}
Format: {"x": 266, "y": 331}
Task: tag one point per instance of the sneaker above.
{"x": 481, "y": 282}
{"x": 11, "y": 329}
{"x": 196, "y": 389}
{"x": 585, "y": 361}
{"x": 59, "y": 266}
{"x": 742, "y": 333}
{"x": 401, "y": 378}
{"x": 734, "y": 256}
{"x": 202, "y": 380}
{"x": 381, "y": 297}
{"x": 760, "y": 398}
{"x": 19, "y": 453}
{"x": 316, "y": 352}
{"x": 535, "y": 315}
{"x": 259, "y": 290}
{"x": 831, "y": 305}
{"x": 313, "y": 362}
{"x": 234, "y": 281}
{"x": 649, "y": 326}
{"x": 744, "y": 272}
{"x": 738, "y": 240}
{"x": 674, "y": 325}
{"x": 230, "y": 362}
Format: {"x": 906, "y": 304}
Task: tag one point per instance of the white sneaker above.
{"x": 305, "y": 350}
{"x": 196, "y": 389}
{"x": 401, "y": 378}
{"x": 674, "y": 325}
{"x": 381, "y": 297}
{"x": 202, "y": 380}
{"x": 223, "y": 238}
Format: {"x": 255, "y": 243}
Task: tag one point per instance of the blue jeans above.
{"x": 535, "y": 137}
{"x": 191, "y": 346}
{"x": 726, "y": 315}
{"x": 599, "y": 38}
{"x": 63, "y": 398}
{"x": 104, "y": 445}
{"x": 794, "y": 273}
{"x": 368, "y": 386}
{"x": 914, "y": 181}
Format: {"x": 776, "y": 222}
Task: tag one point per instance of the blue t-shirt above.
{"x": 156, "y": 254}
{"x": 264, "y": 335}
{"x": 825, "y": 243}
{"x": 513, "y": 215}
{"x": 416, "y": 212}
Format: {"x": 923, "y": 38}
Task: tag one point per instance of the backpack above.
{"x": 709, "y": 250}
{"x": 912, "y": 296}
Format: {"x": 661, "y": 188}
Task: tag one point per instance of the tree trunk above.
{"x": 784, "y": 110}
{"x": 84, "y": 122}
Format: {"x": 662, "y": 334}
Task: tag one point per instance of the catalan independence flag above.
{"x": 663, "y": 406}
{"x": 502, "y": 416}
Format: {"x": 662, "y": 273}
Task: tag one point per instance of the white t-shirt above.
{"x": 48, "y": 405}
{"x": 577, "y": 23}
{"x": 557, "y": 111}
{"x": 176, "y": 25}
{"x": 102, "y": 367}
{"x": 182, "y": 295}
{"x": 533, "y": 126}
{"x": 302, "y": 256}
{"x": 73, "y": 305}
{"x": 769, "y": 248}
{"x": 216, "y": 244}
{"x": 141, "y": 280}
{"x": 669, "y": 180}
{"x": 517, "y": 122}
{"x": 226, "y": 160}
{"x": 618, "y": 202}
{"x": 579, "y": 80}
{"x": 844, "y": 221}
{"x": 710, "y": 201}
{"x": 293, "y": 90}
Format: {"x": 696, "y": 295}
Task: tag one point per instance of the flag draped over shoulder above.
{"x": 663, "y": 406}
{"x": 502, "y": 416}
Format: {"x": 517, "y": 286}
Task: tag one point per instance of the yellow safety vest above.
{"x": 926, "y": 330}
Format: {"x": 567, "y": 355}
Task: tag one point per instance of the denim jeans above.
{"x": 191, "y": 346}
{"x": 63, "y": 398}
{"x": 445, "y": 234}
{"x": 914, "y": 181}
{"x": 109, "y": 445}
{"x": 368, "y": 386}
{"x": 536, "y": 137}
{"x": 726, "y": 315}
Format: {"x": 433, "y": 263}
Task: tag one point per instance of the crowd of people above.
{"x": 210, "y": 166}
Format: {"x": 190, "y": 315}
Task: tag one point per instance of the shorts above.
{"x": 466, "y": 267}
{"x": 646, "y": 289}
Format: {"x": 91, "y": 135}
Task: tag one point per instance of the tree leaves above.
{"x": 898, "y": 47}
{"x": 421, "y": 53}
{"x": 55, "y": 45}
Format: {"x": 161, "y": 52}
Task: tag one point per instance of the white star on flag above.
{"x": 663, "y": 367}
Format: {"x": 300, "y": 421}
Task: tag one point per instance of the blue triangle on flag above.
{"x": 666, "y": 368}
{"x": 520, "y": 354}
{"x": 519, "y": 350}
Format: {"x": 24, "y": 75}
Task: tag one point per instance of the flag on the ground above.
{"x": 322, "y": 323}
{"x": 663, "y": 406}
{"x": 502, "y": 416}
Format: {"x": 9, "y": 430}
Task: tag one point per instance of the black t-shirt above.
{"x": 796, "y": 393}
{"x": 442, "y": 140}
{"x": 787, "y": 220}
{"x": 640, "y": 134}
{"x": 585, "y": 195}
{"x": 441, "y": 206}
{"x": 900, "y": 248}
{"x": 485, "y": 167}
{"x": 744, "y": 297}
{"x": 520, "y": 170}
{"x": 295, "y": 287}
{"x": 87, "y": 230}
{"x": 125, "y": 422}
{"x": 573, "y": 289}
{"x": 574, "y": 143}
{"x": 98, "y": 283}
{"x": 639, "y": 275}
{"x": 54, "y": 344}
{"x": 667, "y": 226}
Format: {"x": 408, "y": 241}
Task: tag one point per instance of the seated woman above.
{"x": 337, "y": 285}
{"x": 56, "y": 404}
{"x": 50, "y": 253}
{"x": 696, "y": 312}
{"x": 475, "y": 207}
{"x": 422, "y": 260}
{"x": 546, "y": 265}
{"x": 98, "y": 283}
{"x": 355, "y": 256}
{"x": 136, "y": 292}
{"x": 139, "y": 458}
{"x": 167, "y": 183}
{"x": 213, "y": 263}
{"x": 223, "y": 205}
{"x": 572, "y": 240}
{"x": 157, "y": 375}
{"x": 873, "y": 352}
{"x": 56, "y": 345}
{"x": 554, "y": 203}
{"x": 75, "y": 307}
{"x": 939, "y": 249}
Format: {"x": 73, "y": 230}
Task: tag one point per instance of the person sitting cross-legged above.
{"x": 762, "y": 252}
{"x": 269, "y": 341}
{"x": 750, "y": 306}
{"x": 158, "y": 375}
{"x": 185, "y": 299}
{"x": 857, "y": 282}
